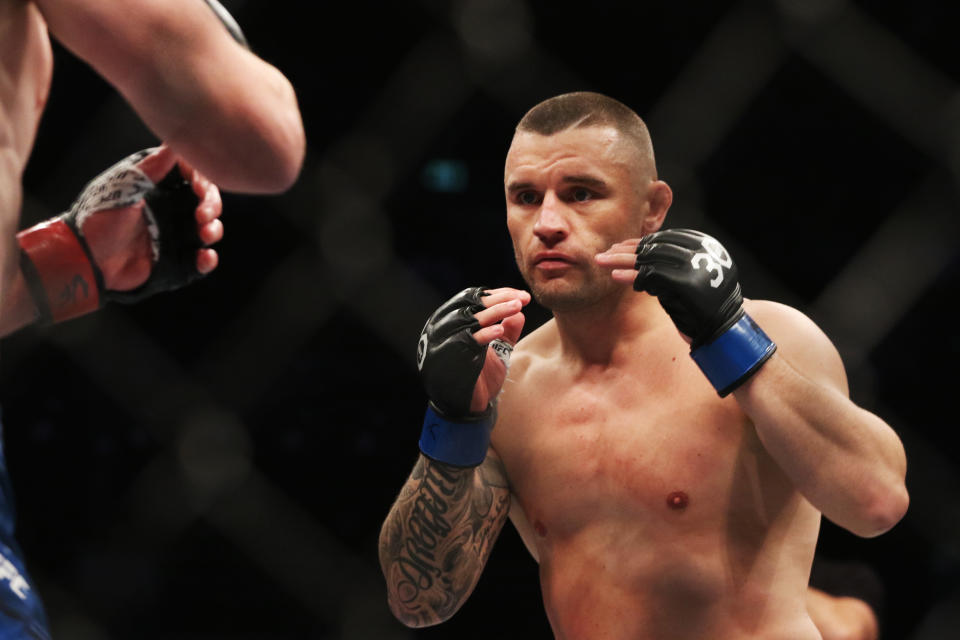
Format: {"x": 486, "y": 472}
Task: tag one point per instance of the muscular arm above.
{"x": 438, "y": 536}
{"x": 226, "y": 111}
{"x": 845, "y": 460}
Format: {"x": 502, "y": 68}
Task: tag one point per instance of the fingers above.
{"x": 621, "y": 255}
{"x": 210, "y": 206}
{"x": 488, "y": 334}
{"x": 207, "y": 260}
{"x": 621, "y": 259}
{"x": 513, "y": 327}
{"x": 624, "y": 246}
{"x": 498, "y": 312}
{"x": 158, "y": 163}
{"x": 620, "y": 264}
{"x": 209, "y": 226}
{"x": 189, "y": 174}
{"x": 503, "y": 294}
{"x": 210, "y": 233}
{"x": 626, "y": 276}
{"x": 502, "y": 318}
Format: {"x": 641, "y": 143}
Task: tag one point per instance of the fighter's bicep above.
{"x": 801, "y": 342}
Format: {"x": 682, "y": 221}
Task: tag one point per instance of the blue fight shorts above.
{"x": 21, "y": 612}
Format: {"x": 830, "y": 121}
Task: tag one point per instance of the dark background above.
{"x": 216, "y": 462}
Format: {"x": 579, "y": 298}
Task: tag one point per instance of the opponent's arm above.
{"x": 440, "y": 531}
{"x": 141, "y": 227}
{"x": 226, "y": 111}
{"x": 846, "y": 461}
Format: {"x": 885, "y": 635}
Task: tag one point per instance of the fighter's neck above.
{"x": 602, "y": 334}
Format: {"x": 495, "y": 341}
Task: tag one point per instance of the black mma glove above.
{"x": 696, "y": 282}
{"x": 450, "y": 361}
{"x": 58, "y": 266}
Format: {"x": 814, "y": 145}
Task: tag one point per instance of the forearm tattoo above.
{"x": 438, "y": 537}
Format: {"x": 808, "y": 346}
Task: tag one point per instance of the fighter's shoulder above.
{"x": 799, "y": 338}
{"x": 533, "y": 348}
{"x": 780, "y": 318}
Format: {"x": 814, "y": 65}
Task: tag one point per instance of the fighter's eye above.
{"x": 527, "y": 197}
{"x": 580, "y": 194}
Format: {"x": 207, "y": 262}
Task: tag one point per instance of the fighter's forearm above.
{"x": 846, "y": 461}
{"x": 437, "y": 538}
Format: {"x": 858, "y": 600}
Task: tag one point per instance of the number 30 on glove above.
{"x": 696, "y": 282}
{"x": 58, "y": 266}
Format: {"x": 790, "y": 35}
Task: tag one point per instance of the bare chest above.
{"x": 657, "y": 454}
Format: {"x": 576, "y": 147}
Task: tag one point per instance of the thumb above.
{"x": 513, "y": 327}
{"x": 158, "y": 163}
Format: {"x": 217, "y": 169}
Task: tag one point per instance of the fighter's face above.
{"x": 570, "y": 196}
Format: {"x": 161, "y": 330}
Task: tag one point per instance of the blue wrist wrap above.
{"x": 462, "y": 444}
{"x": 734, "y": 356}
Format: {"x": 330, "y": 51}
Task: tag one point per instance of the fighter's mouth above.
{"x": 552, "y": 258}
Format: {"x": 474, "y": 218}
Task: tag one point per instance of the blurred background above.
{"x": 216, "y": 462}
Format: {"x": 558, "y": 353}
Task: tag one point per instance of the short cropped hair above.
{"x": 588, "y": 109}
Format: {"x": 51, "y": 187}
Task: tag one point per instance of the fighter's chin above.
{"x": 559, "y": 295}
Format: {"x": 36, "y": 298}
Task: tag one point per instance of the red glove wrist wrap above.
{"x": 58, "y": 271}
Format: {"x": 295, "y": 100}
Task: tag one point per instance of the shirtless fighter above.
{"x": 664, "y": 447}
{"x": 145, "y": 224}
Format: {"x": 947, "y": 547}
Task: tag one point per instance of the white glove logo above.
{"x": 714, "y": 260}
{"x": 421, "y": 350}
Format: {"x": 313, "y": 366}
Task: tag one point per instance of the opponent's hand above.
{"x": 452, "y": 352}
{"x": 120, "y": 239}
{"x": 690, "y": 273}
{"x": 138, "y": 228}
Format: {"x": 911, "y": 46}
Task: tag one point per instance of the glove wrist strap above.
{"x": 461, "y": 443}
{"x": 734, "y": 355}
{"x": 58, "y": 271}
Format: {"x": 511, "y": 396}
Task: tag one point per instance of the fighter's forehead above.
{"x": 598, "y": 148}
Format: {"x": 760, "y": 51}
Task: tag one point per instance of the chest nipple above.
{"x": 678, "y": 500}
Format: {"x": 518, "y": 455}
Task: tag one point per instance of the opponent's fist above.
{"x": 695, "y": 280}
{"x": 138, "y": 228}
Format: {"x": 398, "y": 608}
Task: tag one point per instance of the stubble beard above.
{"x": 572, "y": 292}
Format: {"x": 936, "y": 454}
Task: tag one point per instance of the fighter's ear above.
{"x": 659, "y": 199}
